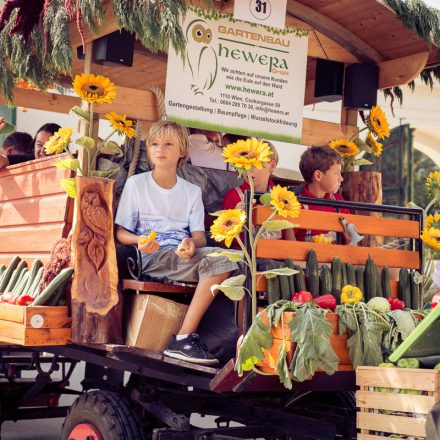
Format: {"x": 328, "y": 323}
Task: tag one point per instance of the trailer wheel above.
{"x": 101, "y": 415}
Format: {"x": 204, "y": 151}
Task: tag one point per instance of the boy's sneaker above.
{"x": 190, "y": 349}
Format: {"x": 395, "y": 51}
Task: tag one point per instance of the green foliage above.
{"x": 423, "y": 165}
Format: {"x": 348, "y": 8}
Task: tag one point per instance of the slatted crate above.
{"x": 34, "y": 325}
{"x": 389, "y": 412}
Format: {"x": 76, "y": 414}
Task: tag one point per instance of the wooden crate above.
{"x": 369, "y": 402}
{"x": 34, "y": 326}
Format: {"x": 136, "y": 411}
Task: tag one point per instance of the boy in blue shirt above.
{"x": 162, "y": 202}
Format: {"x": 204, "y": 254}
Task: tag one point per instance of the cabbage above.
{"x": 379, "y": 304}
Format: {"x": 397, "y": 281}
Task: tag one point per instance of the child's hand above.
{"x": 148, "y": 244}
{"x": 186, "y": 249}
{"x": 240, "y": 204}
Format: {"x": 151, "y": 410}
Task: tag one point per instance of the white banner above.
{"x": 238, "y": 78}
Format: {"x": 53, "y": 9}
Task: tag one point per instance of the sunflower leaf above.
{"x": 111, "y": 148}
{"x": 104, "y": 173}
{"x": 251, "y": 351}
{"x": 281, "y": 271}
{"x": 230, "y": 255}
{"x": 232, "y": 287}
{"x": 86, "y": 142}
{"x": 265, "y": 199}
{"x": 68, "y": 164}
{"x": 362, "y": 162}
{"x": 69, "y": 185}
{"x": 278, "y": 225}
{"x": 79, "y": 112}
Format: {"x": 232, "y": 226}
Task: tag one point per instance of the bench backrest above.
{"x": 34, "y": 210}
{"x": 329, "y": 221}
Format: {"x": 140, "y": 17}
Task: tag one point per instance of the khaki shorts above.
{"x": 166, "y": 264}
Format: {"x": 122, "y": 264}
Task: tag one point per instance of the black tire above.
{"x": 108, "y": 412}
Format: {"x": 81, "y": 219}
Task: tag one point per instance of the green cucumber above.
{"x": 351, "y": 275}
{"x": 15, "y": 276}
{"x": 414, "y": 289}
{"x": 379, "y": 291}
{"x": 337, "y": 278}
{"x": 19, "y": 284}
{"x": 326, "y": 280}
{"x": 50, "y": 290}
{"x": 404, "y": 288}
{"x": 285, "y": 292}
{"x": 32, "y": 274}
{"x": 33, "y": 289}
{"x": 2, "y": 269}
{"x": 370, "y": 282}
{"x": 273, "y": 285}
{"x": 385, "y": 281}
{"x": 289, "y": 263}
{"x": 312, "y": 273}
{"x": 8, "y": 273}
{"x": 344, "y": 274}
{"x": 359, "y": 272}
{"x": 300, "y": 279}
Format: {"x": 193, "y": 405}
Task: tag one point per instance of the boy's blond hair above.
{"x": 274, "y": 156}
{"x": 171, "y": 128}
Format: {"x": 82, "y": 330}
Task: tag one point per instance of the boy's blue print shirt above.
{"x": 172, "y": 213}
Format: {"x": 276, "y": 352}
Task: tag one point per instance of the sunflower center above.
{"x": 377, "y": 121}
{"x": 248, "y": 154}
{"x": 91, "y": 88}
{"x": 285, "y": 201}
{"x": 344, "y": 148}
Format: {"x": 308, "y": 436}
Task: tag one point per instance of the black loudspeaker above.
{"x": 328, "y": 80}
{"x": 115, "y": 49}
{"x": 361, "y": 84}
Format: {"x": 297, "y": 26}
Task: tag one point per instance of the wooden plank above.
{"x": 393, "y": 424}
{"x": 297, "y": 250}
{"x": 31, "y": 165}
{"x": 365, "y": 225}
{"x": 30, "y": 238}
{"x": 362, "y": 436}
{"x": 406, "y": 378}
{"x": 41, "y": 209}
{"x": 31, "y": 184}
{"x": 14, "y": 333}
{"x": 395, "y": 402}
{"x": 151, "y": 286}
{"x": 49, "y": 316}
{"x": 316, "y": 132}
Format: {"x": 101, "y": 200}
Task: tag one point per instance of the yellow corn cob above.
{"x": 146, "y": 238}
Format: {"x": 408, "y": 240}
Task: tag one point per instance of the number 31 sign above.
{"x": 265, "y": 12}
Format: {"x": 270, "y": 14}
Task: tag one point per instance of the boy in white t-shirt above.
{"x": 162, "y": 202}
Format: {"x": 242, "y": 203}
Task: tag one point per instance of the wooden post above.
{"x": 96, "y": 299}
{"x": 364, "y": 186}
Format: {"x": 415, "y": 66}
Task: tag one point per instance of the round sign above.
{"x": 260, "y": 9}
{"x": 37, "y": 321}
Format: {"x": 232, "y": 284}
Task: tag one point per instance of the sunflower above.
{"x": 344, "y": 147}
{"x": 376, "y": 147}
{"x": 121, "y": 124}
{"x": 377, "y": 123}
{"x": 284, "y": 201}
{"x": 59, "y": 141}
{"x": 228, "y": 225}
{"x": 432, "y": 220}
{"x": 94, "y": 88}
{"x": 433, "y": 182}
{"x": 431, "y": 237}
{"x": 245, "y": 154}
{"x": 322, "y": 238}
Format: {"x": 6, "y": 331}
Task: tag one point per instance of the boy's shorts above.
{"x": 166, "y": 264}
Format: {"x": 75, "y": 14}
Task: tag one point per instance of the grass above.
{"x": 195, "y": 123}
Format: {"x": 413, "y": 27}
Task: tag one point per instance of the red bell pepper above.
{"x": 302, "y": 297}
{"x": 435, "y": 300}
{"x": 327, "y": 301}
{"x": 396, "y": 304}
{"x": 25, "y": 300}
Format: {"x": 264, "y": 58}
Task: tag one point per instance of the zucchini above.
{"x": 32, "y": 274}
{"x": 285, "y": 292}
{"x": 33, "y": 289}
{"x": 385, "y": 281}
{"x": 379, "y": 291}
{"x": 370, "y": 282}
{"x": 359, "y": 272}
{"x": 15, "y": 276}
{"x": 273, "y": 285}
{"x": 344, "y": 274}
{"x": 404, "y": 288}
{"x": 312, "y": 273}
{"x": 300, "y": 279}
{"x": 351, "y": 275}
{"x": 8, "y": 273}
{"x": 289, "y": 263}
{"x": 50, "y": 290}
{"x": 2, "y": 269}
{"x": 326, "y": 280}
{"x": 414, "y": 290}
{"x": 19, "y": 284}
{"x": 59, "y": 295}
{"x": 337, "y": 279}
